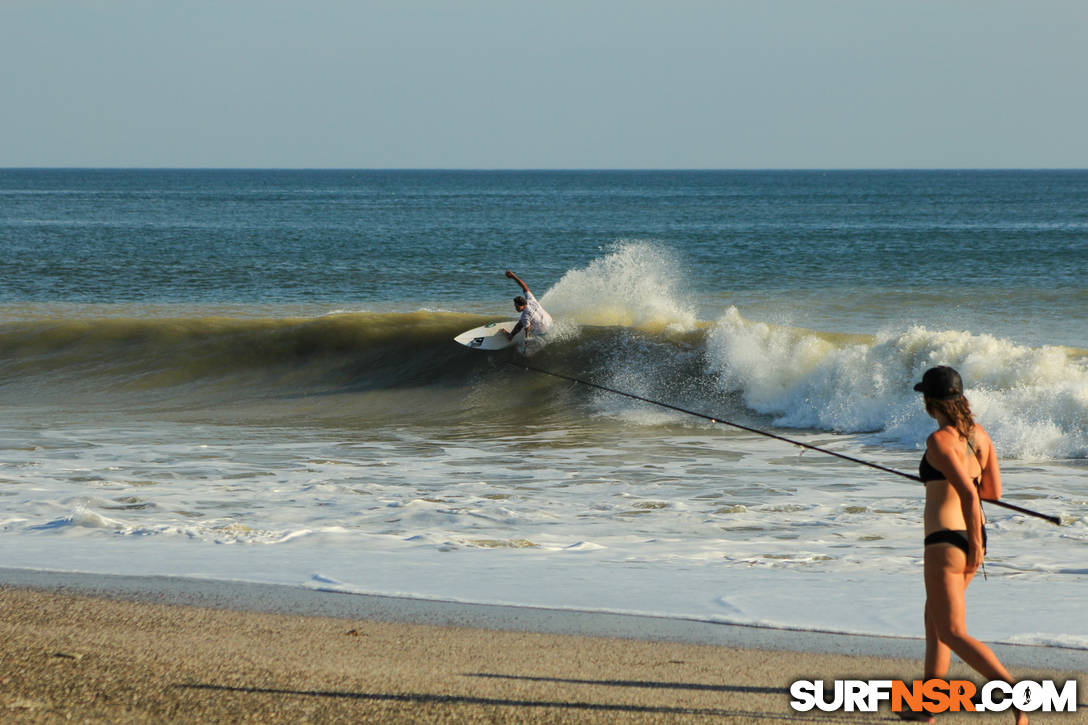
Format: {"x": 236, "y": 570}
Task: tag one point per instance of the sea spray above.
{"x": 637, "y": 284}
{"x": 653, "y": 347}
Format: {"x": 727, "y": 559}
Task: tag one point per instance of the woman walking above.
{"x": 959, "y": 469}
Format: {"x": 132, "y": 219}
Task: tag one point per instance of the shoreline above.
{"x": 241, "y": 596}
{"x": 117, "y": 650}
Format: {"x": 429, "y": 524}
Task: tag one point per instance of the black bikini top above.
{"x": 928, "y": 472}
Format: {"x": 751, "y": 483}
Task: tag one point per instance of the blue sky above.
{"x": 555, "y": 84}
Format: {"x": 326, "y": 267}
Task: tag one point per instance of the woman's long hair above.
{"x": 957, "y": 410}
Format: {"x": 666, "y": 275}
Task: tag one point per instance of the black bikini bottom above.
{"x": 956, "y": 537}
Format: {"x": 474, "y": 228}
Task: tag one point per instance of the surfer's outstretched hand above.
{"x": 509, "y": 274}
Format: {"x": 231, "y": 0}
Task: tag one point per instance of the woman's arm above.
{"x": 990, "y": 486}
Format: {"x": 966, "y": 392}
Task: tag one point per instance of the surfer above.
{"x": 534, "y": 318}
{"x": 958, "y": 469}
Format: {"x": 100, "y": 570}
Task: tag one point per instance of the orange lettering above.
{"x": 911, "y": 696}
{"x": 936, "y": 691}
{"x": 961, "y": 692}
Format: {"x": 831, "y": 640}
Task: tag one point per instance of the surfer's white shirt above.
{"x": 535, "y": 317}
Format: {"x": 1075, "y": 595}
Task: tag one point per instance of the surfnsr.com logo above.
{"x": 934, "y": 696}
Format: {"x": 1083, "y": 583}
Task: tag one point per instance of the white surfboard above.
{"x": 490, "y": 336}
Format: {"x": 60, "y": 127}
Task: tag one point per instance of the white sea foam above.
{"x": 638, "y": 284}
{"x": 684, "y": 522}
{"x": 1034, "y": 401}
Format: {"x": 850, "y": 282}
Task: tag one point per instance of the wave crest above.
{"x": 1033, "y": 401}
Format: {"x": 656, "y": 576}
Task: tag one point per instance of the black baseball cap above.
{"x": 941, "y": 383}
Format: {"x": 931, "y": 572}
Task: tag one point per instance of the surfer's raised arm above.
{"x": 534, "y": 319}
{"x": 524, "y": 287}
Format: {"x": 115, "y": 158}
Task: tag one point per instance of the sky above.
{"x": 543, "y": 84}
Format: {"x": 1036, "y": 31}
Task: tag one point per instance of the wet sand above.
{"x": 119, "y": 656}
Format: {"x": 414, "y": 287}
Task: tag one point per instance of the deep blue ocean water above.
{"x": 1014, "y": 241}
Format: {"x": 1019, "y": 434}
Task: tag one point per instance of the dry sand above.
{"x": 108, "y": 659}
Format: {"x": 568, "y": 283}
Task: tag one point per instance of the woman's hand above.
{"x": 974, "y": 557}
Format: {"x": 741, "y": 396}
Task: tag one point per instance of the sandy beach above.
{"x": 119, "y": 655}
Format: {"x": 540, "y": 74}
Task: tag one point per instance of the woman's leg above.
{"x": 946, "y": 612}
{"x": 938, "y": 657}
{"x": 938, "y": 654}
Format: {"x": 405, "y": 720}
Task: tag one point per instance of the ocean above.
{"x": 251, "y": 376}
